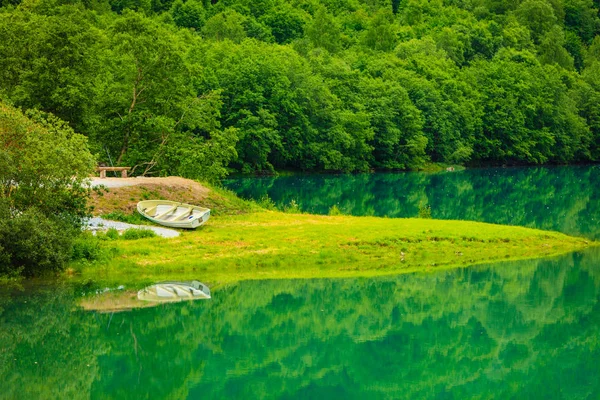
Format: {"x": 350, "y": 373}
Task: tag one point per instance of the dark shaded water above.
{"x": 515, "y": 330}
{"x": 565, "y": 199}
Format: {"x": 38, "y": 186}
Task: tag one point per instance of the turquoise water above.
{"x": 565, "y": 199}
{"x": 527, "y": 330}
{"x": 522, "y": 330}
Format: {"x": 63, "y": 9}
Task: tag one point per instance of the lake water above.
{"x": 526, "y": 329}
{"x": 565, "y": 199}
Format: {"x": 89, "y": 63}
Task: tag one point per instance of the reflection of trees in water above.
{"x": 566, "y": 199}
{"x": 526, "y": 328}
{"x": 46, "y": 350}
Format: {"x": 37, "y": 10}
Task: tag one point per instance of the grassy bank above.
{"x": 276, "y": 245}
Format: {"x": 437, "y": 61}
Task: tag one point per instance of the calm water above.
{"x": 517, "y": 330}
{"x": 565, "y": 199}
{"x": 523, "y": 330}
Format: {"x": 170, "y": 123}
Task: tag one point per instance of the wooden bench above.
{"x": 103, "y": 170}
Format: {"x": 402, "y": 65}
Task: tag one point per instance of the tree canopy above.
{"x": 196, "y": 88}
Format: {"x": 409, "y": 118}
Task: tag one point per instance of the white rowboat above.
{"x": 173, "y": 214}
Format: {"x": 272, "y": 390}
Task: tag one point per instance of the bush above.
{"x": 134, "y": 234}
{"x": 86, "y": 247}
{"x": 334, "y": 210}
{"x": 424, "y": 211}
{"x": 267, "y": 203}
{"x": 129, "y": 234}
{"x": 4, "y": 260}
{"x": 293, "y": 208}
{"x": 33, "y": 243}
{"x": 110, "y": 234}
{"x": 43, "y": 194}
{"x": 134, "y": 218}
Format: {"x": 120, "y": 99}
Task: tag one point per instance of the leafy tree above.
{"x": 146, "y": 95}
{"x": 528, "y": 115}
{"x": 587, "y": 97}
{"x": 575, "y": 48}
{"x": 413, "y": 12}
{"x": 455, "y": 43}
{"x": 581, "y": 17}
{"x": 516, "y": 36}
{"x": 225, "y": 25}
{"x": 258, "y": 30}
{"x": 145, "y": 6}
{"x": 43, "y": 166}
{"x": 447, "y": 104}
{"x": 253, "y": 8}
{"x": 200, "y": 158}
{"x": 485, "y": 40}
{"x": 501, "y": 6}
{"x": 50, "y": 67}
{"x": 190, "y": 14}
{"x": 398, "y": 141}
{"x": 381, "y": 33}
{"x": 286, "y": 23}
{"x": 552, "y": 51}
{"x": 324, "y": 31}
{"x": 537, "y": 15}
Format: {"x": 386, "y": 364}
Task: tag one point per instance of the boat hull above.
{"x": 173, "y": 214}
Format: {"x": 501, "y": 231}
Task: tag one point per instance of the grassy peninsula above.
{"x": 243, "y": 241}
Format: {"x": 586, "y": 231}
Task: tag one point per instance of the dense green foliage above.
{"x": 42, "y": 193}
{"x": 192, "y": 87}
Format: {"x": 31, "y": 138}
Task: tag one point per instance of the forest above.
{"x": 201, "y": 88}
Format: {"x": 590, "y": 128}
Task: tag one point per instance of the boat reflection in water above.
{"x": 174, "y": 291}
{"x": 120, "y": 299}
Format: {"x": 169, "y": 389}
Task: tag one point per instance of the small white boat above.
{"x": 173, "y": 214}
{"x": 174, "y": 291}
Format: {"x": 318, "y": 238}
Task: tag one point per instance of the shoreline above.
{"x": 276, "y": 245}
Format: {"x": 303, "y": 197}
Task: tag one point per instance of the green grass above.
{"x": 277, "y": 245}
{"x": 222, "y": 201}
{"x": 134, "y": 218}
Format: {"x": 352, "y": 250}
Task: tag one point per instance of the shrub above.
{"x": 334, "y": 210}
{"x": 134, "y": 234}
{"x": 86, "y": 247}
{"x": 134, "y": 218}
{"x": 33, "y": 243}
{"x": 293, "y": 208}
{"x": 43, "y": 195}
{"x": 129, "y": 234}
{"x": 267, "y": 203}
{"x": 4, "y": 260}
{"x": 424, "y": 211}
{"x": 112, "y": 234}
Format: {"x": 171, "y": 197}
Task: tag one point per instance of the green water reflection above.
{"x": 565, "y": 199}
{"x": 517, "y": 330}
